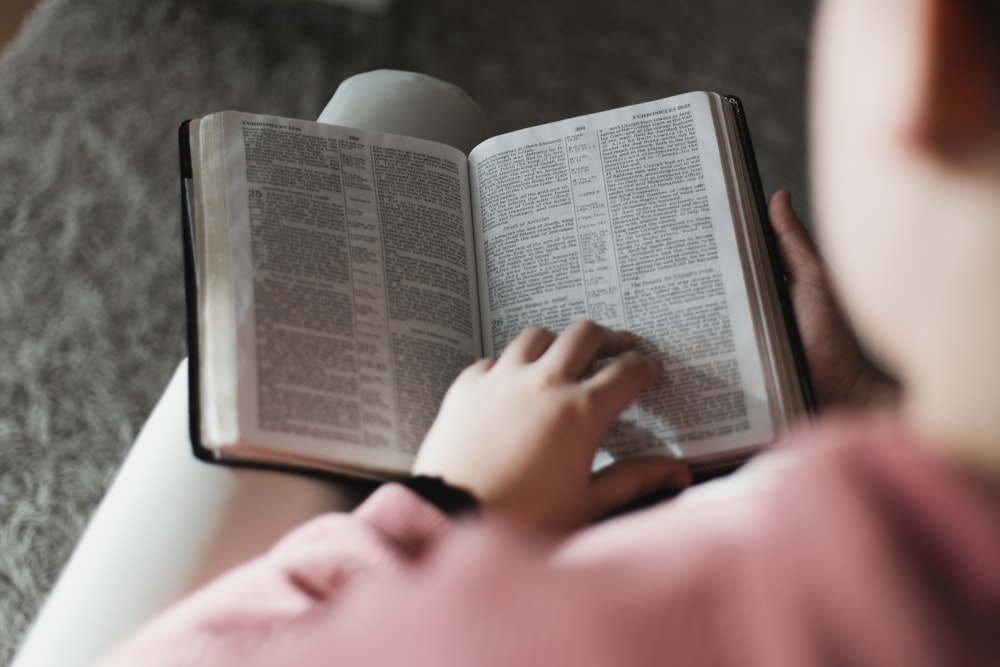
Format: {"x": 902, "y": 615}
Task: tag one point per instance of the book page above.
{"x": 624, "y": 217}
{"x": 359, "y": 309}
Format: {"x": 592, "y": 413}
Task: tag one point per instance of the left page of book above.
{"x": 353, "y": 297}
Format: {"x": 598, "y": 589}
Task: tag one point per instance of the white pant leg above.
{"x": 407, "y": 103}
{"x": 169, "y": 522}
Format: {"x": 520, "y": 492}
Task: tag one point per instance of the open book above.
{"x": 340, "y": 279}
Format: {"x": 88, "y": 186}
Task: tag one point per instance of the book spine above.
{"x": 190, "y": 289}
{"x": 777, "y": 265}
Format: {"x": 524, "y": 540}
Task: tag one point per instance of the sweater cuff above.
{"x": 451, "y": 500}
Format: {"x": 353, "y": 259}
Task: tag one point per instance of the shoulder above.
{"x": 874, "y": 531}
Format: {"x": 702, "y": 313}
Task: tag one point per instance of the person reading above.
{"x": 878, "y": 541}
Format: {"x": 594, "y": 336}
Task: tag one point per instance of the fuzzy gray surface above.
{"x": 91, "y": 94}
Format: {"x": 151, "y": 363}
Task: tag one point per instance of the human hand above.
{"x": 841, "y": 374}
{"x": 520, "y": 432}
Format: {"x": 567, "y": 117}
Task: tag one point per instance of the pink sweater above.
{"x": 869, "y": 551}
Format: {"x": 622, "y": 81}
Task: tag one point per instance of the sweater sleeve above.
{"x": 306, "y": 571}
{"x": 795, "y": 571}
{"x": 398, "y": 582}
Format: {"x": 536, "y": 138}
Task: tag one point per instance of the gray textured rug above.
{"x": 91, "y": 300}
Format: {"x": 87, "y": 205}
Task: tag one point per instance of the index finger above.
{"x": 581, "y": 344}
{"x": 527, "y": 346}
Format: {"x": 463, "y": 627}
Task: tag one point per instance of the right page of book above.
{"x": 624, "y": 217}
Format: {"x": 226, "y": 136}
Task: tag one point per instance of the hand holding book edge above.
{"x": 840, "y": 372}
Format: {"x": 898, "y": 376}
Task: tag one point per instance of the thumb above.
{"x": 625, "y": 481}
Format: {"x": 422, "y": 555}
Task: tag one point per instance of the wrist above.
{"x": 451, "y": 500}
{"x": 882, "y": 390}
{"x": 873, "y": 388}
